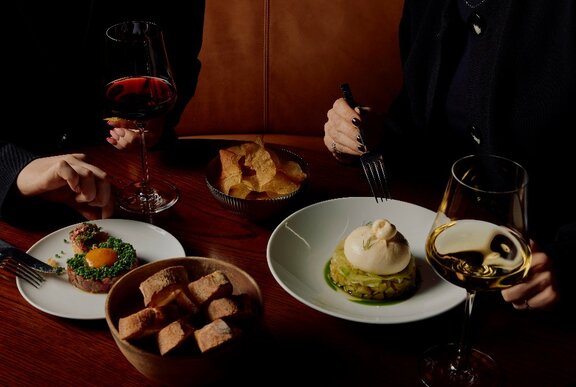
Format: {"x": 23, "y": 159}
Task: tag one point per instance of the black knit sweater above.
{"x": 516, "y": 94}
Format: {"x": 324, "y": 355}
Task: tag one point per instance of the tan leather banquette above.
{"x": 274, "y": 67}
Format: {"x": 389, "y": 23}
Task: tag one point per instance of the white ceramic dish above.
{"x": 300, "y": 247}
{"x": 58, "y": 297}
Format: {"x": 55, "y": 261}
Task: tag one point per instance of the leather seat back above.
{"x": 275, "y": 66}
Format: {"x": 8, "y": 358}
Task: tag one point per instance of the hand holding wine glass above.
{"x": 124, "y": 135}
{"x": 478, "y": 242}
{"x": 140, "y": 86}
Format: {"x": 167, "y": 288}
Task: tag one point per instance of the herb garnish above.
{"x": 126, "y": 259}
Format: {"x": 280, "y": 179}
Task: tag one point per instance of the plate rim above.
{"x": 25, "y": 288}
{"x": 355, "y": 317}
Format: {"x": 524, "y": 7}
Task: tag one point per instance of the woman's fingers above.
{"x": 538, "y": 290}
{"x": 122, "y": 138}
{"x": 340, "y": 133}
{"x": 70, "y": 180}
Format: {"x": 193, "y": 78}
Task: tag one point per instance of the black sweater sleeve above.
{"x": 12, "y": 161}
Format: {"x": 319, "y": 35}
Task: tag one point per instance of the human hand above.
{"x": 539, "y": 289}
{"x": 124, "y": 134}
{"x": 68, "y": 179}
{"x": 341, "y": 133}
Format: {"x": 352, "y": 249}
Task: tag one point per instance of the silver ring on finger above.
{"x": 334, "y": 150}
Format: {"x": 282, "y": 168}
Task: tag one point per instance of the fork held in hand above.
{"x": 372, "y": 162}
{"x": 22, "y": 270}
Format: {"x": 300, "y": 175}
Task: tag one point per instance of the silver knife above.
{"x": 7, "y": 250}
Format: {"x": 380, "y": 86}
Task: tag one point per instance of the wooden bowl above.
{"x": 189, "y": 369}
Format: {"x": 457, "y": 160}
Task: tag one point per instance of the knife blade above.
{"x": 7, "y": 250}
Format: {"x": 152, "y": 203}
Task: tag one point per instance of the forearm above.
{"x": 12, "y": 161}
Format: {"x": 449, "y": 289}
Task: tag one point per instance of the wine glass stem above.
{"x": 145, "y": 179}
{"x": 465, "y": 347}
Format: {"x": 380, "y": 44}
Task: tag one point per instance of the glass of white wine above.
{"x": 478, "y": 241}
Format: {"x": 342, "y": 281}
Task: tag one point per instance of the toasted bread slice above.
{"x": 214, "y": 335}
{"x": 174, "y": 335}
{"x": 163, "y": 286}
{"x": 183, "y": 299}
{"x": 223, "y": 308}
{"x": 145, "y": 322}
{"x": 209, "y": 287}
{"x": 235, "y": 307}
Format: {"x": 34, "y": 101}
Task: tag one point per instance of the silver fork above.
{"x": 21, "y": 270}
{"x": 372, "y": 162}
{"x": 373, "y": 165}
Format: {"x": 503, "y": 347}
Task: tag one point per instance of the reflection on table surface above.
{"x": 294, "y": 341}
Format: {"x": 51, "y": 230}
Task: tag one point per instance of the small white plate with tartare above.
{"x": 58, "y": 297}
{"x": 300, "y": 248}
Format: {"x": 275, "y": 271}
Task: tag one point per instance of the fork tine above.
{"x": 382, "y": 179}
{"x": 12, "y": 268}
{"x": 30, "y": 273}
{"x": 376, "y": 176}
{"x": 22, "y": 271}
{"x": 369, "y": 176}
{"x": 376, "y": 182}
{"x": 27, "y": 275}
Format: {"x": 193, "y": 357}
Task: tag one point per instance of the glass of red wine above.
{"x": 140, "y": 87}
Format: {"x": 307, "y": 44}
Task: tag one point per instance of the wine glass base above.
{"x": 156, "y": 197}
{"x": 437, "y": 368}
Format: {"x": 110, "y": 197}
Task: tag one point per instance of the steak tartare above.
{"x": 98, "y": 269}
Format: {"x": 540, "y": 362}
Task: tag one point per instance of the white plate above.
{"x": 300, "y": 247}
{"x": 58, "y": 297}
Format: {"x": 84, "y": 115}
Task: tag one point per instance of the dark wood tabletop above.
{"x": 294, "y": 344}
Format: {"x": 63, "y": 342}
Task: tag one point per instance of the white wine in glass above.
{"x": 478, "y": 241}
{"x": 139, "y": 87}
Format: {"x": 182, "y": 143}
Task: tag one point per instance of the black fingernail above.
{"x": 355, "y": 122}
{"x": 361, "y": 148}
{"x": 359, "y": 139}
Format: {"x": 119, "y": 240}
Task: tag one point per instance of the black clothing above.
{"x": 504, "y": 71}
{"x": 53, "y": 84}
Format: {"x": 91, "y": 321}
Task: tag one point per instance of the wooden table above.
{"x": 296, "y": 344}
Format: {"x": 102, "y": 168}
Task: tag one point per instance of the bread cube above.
{"x": 174, "y": 335}
{"x": 214, "y": 335}
{"x": 209, "y": 287}
{"x": 222, "y": 308}
{"x": 160, "y": 288}
{"x": 145, "y": 322}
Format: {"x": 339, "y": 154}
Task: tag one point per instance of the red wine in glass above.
{"x": 140, "y": 98}
{"x": 139, "y": 87}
